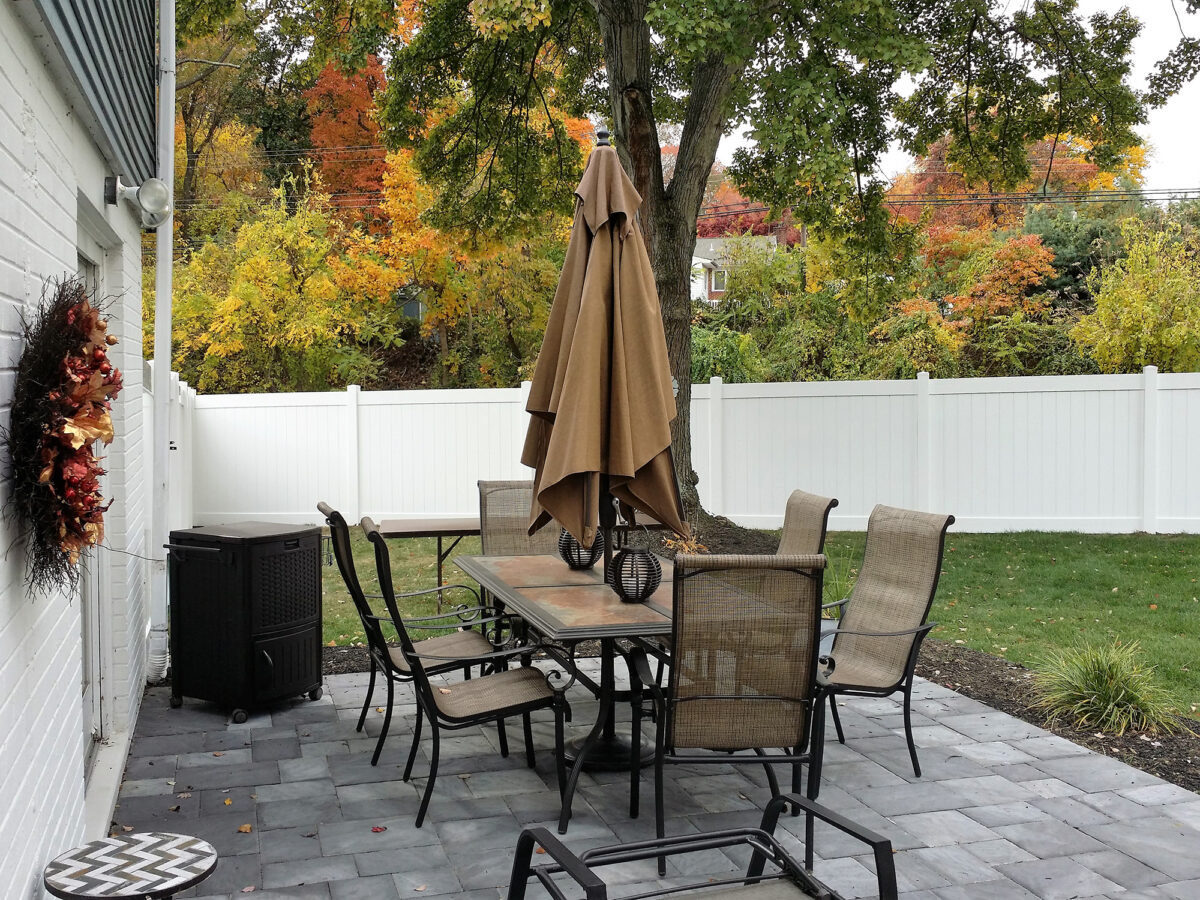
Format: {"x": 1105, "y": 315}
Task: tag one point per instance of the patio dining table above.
{"x": 565, "y": 607}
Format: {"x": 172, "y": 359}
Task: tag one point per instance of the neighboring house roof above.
{"x": 106, "y": 57}
{"x": 709, "y": 251}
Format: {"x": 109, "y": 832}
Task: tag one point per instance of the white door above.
{"x": 91, "y": 265}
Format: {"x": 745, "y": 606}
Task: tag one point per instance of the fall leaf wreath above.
{"x": 62, "y": 405}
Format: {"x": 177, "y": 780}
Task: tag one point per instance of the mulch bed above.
{"x": 1000, "y": 684}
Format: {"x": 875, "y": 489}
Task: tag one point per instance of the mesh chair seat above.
{"x": 460, "y": 644}
{"x": 501, "y": 691}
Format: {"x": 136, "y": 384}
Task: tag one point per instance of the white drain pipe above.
{"x": 161, "y": 377}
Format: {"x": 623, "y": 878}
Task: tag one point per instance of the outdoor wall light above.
{"x": 152, "y": 198}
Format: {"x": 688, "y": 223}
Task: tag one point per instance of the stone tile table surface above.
{"x": 1005, "y": 810}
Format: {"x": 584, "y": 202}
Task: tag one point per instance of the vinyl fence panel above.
{"x": 1098, "y": 453}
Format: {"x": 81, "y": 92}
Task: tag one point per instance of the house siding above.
{"x": 52, "y": 171}
{"x": 107, "y": 50}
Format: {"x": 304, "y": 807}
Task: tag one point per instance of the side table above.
{"x": 142, "y": 866}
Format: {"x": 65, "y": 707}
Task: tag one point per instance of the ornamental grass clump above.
{"x": 1104, "y": 688}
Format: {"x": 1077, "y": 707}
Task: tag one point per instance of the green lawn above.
{"x": 1013, "y": 595}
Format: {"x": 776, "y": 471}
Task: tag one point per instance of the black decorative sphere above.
{"x": 576, "y": 555}
{"x": 635, "y": 574}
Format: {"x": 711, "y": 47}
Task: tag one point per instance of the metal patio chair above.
{"x": 743, "y": 669}
{"x": 504, "y": 521}
{"x": 879, "y": 636}
{"x": 490, "y": 698}
{"x": 461, "y": 648}
{"x": 772, "y": 873}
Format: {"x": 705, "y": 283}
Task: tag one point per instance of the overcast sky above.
{"x": 1172, "y": 132}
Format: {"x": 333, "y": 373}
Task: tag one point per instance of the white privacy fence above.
{"x": 1094, "y": 453}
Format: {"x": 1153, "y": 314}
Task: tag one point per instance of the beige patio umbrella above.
{"x": 601, "y": 402}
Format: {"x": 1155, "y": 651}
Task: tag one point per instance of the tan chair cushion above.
{"x": 492, "y": 693}
{"x": 861, "y": 672}
{"x": 464, "y": 644}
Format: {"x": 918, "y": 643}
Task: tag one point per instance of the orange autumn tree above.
{"x": 933, "y": 186}
{"x": 347, "y": 147}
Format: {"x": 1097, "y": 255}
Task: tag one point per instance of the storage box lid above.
{"x": 237, "y": 532}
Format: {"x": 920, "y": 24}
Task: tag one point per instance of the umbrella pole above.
{"x": 607, "y": 520}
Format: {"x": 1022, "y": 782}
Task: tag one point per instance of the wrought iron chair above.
{"x": 879, "y": 636}
{"x": 490, "y": 698}
{"x": 504, "y": 521}
{"x": 772, "y": 874}
{"x": 744, "y": 668}
{"x": 461, "y": 648}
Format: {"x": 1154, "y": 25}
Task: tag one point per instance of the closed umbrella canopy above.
{"x": 601, "y": 402}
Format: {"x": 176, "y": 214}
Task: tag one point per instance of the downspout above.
{"x": 161, "y": 378}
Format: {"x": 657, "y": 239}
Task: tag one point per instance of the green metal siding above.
{"x": 110, "y": 48}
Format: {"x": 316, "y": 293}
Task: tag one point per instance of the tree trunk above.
{"x": 668, "y": 214}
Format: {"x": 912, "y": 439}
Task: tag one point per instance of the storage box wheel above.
{"x": 316, "y": 693}
{"x": 240, "y": 716}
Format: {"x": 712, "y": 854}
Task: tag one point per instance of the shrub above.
{"x": 1107, "y": 688}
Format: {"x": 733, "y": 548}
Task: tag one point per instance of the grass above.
{"x": 1019, "y": 595}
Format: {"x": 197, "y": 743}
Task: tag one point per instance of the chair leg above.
{"x": 529, "y": 761}
{"x": 816, "y": 749}
{"x": 416, "y": 741}
{"x": 502, "y": 733}
{"x": 362, "y": 717}
{"x": 660, "y": 825}
{"x": 635, "y": 748}
{"x": 433, "y": 764}
{"x": 837, "y": 722}
{"x": 772, "y": 780}
{"x": 912, "y": 748}
{"x": 387, "y": 721}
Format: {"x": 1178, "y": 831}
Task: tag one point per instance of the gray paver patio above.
{"x": 1005, "y": 810}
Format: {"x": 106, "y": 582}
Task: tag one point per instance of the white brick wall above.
{"x": 51, "y": 175}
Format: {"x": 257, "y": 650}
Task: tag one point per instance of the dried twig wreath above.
{"x": 61, "y": 407}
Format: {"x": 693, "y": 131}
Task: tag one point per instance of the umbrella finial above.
{"x": 602, "y": 137}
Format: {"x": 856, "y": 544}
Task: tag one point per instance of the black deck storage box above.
{"x": 245, "y": 614}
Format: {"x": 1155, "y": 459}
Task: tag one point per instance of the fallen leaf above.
{"x": 421, "y": 887}
{"x": 173, "y": 808}
{"x": 331, "y": 644}
{"x": 540, "y": 850}
{"x": 309, "y": 834}
{"x": 379, "y": 709}
{"x": 218, "y": 753}
{"x": 377, "y": 829}
{"x": 229, "y": 801}
{"x": 184, "y": 795}
{"x": 248, "y": 889}
{"x": 245, "y": 829}
{"x": 1154, "y": 606}
{"x": 127, "y": 828}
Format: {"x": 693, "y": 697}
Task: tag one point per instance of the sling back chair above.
{"x": 504, "y": 521}
{"x": 772, "y": 873}
{"x": 744, "y": 667}
{"x": 805, "y": 522}
{"x": 490, "y": 698}
{"x": 461, "y": 648}
{"x": 879, "y": 636}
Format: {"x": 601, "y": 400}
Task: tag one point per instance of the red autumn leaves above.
{"x": 70, "y": 469}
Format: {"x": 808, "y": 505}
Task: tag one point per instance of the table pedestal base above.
{"x": 608, "y": 754}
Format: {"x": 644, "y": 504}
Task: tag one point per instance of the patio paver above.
{"x": 1005, "y": 810}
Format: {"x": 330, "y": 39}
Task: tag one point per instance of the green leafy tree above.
{"x": 1147, "y": 304}
{"x": 817, "y": 87}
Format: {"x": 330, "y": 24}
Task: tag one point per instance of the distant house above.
{"x": 77, "y": 104}
{"x": 709, "y": 265}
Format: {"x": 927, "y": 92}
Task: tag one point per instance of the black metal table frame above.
{"x": 455, "y": 527}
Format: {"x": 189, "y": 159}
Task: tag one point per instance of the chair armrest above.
{"x": 568, "y": 862}
{"x": 438, "y": 590}
{"x": 841, "y": 602}
{"x": 881, "y": 847}
{"x": 920, "y": 630}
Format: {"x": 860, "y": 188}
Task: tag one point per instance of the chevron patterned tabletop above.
{"x": 141, "y": 866}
